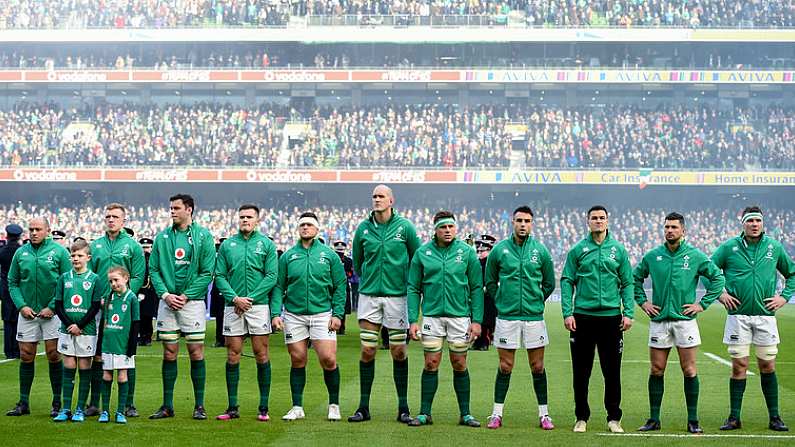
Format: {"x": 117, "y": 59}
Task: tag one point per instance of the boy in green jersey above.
{"x": 119, "y": 330}
{"x": 77, "y": 302}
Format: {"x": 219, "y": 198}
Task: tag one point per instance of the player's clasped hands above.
{"x": 74, "y": 329}
{"x": 175, "y": 302}
{"x": 242, "y": 304}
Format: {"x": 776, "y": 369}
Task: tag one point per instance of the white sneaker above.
{"x": 295, "y": 413}
{"x": 615, "y": 427}
{"x": 334, "y": 412}
{"x": 580, "y": 426}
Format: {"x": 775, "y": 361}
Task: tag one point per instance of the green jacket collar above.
{"x": 607, "y": 238}
{"x": 391, "y": 219}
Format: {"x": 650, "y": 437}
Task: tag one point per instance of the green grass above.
{"x": 520, "y": 411}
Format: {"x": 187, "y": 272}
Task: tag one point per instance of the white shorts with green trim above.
{"x": 759, "y": 330}
{"x": 454, "y": 329}
{"x": 390, "y": 311}
{"x": 77, "y": 345}
{"x": 515, "y": 334}
{"x": 37, "y": 329}
{"x": 112, "y": 362}
{"x": 190, "y": 321}
{"x": 679, "y": 333}
{"x": 300, "y": 327}
{"x": 255, "y": 321}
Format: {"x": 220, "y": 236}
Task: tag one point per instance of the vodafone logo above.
{"x": 77, "y": 300}
{"x": 114, "y": 319}
{"x": 179, "y": 253}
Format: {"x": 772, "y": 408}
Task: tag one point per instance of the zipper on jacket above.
{"x": 521, "y": 276}
{"x": 245, "y": 267}
{"x": 308, "y": 275}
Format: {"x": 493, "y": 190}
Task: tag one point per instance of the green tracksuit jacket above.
{"x": 674, "y": 277}
{"x": 602, "y": 277}
{"x": 34, "y": 273}
{"x": 750, "y": 271}
{"x": 124, "y": 251}
{"x": 382, "y": 254}
{"x": 449, "y": 279}
{"x": 520, "y": 278}
{"x": 247, "y": 267}
{"x": 310, "y": 281}
{"x": 182, "y": 262}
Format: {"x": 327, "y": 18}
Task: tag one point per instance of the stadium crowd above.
{"x": 672, "y": 137}
{"x": 559, "y": 228}
{"x": 258, "y": 13}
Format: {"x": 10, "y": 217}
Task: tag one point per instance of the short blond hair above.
{"x": 116, "y": 206}
{"x": 119, "y": 269}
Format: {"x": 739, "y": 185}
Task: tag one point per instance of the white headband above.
{"x": 308, "y": 220}
{"x": 747, "y": 216}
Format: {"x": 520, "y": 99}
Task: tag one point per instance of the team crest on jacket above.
{"x": 76, "y": 300}
{"x": 124, "y": 308}
{"x": 115, "y": 318}
{"x": 179, "y": 253}
{"x": 86, "y": 285}
{"x": 67, "y": 284}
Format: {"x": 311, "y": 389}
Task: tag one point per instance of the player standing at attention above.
{"x": 34, "y": 272}
{"x": 675, "y": 268}
{"x": 749, "y": 263}
{"x": 181, "y": 267}
{"x": 383, "y": 246}
{"x": 245, "y": 273}
{"x": 311, "y": 284}
{"x": 447, "y": 280}
{"x": 520, "y": 276}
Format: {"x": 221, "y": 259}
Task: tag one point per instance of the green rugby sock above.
{"x": 691, "y": 397}
{"x": 198, "y": 376}
{"x": 332, "y": 379}
{"x": 232, "y": 380}
{"x": 56, "y": 380}
{"x": 264, "y": 382}
{"x": 169, "y": 373}
{"x": 297, "y": 383}
{"x": 26, "y": 373}
{"x": 400, "y": 373}
{"x": 366, "y": 377}
{"x": 68, "y": 387}
{"x": 131, "y": 387}
{"x": 736, "y": 391}
{"x": 430, "y": 382}
{"x": 540, "y": 387}
{"x": 106, "y": 384}
{"x": 461, "y": 387}
{"x": 96, "y": 382}
{"x": 501, "y": 384}
{"x": 83, "y": 387}
{"x": 770, "y": 391}
{"x": 656, "y": 391}
{"x": 124, "y": 391}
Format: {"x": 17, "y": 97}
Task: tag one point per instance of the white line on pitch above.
{"x": 723, "y": 361}
{"x": 682, "y": 435}
{"x": 11, "y": 360}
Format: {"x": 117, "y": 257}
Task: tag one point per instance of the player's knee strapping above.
{"x": 458, "y": 347}
{"x": 397, "y": 337}
{"x": 194, "y": 337}
{"x": 739, "y": 351}
{"x": 168, "y": 336}
{"x": 766, "y": 353}
{"x": 368, "y": 338}
{"x": 431, "y": 344}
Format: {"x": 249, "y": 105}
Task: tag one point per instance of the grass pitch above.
{"x": 520, "y": 410}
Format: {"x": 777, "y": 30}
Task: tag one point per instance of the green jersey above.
{"x": 122, "y": 251}
{"x": 449, "y": 279}
{"x": 674, "y": 277}
{"x": 182, "y": 262}
{"x": 247, "y": 267}
{"x": 34, "y": 272}
{"x": 602, "y": 277}
{"x": 750, "y": 271}
{"x": 78, "y": 291}
{"x": 382, "y": 253}
{"x": 311, "y": 281}
{"x": 520, "y": 278}
{"x": 120, "y": 312}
